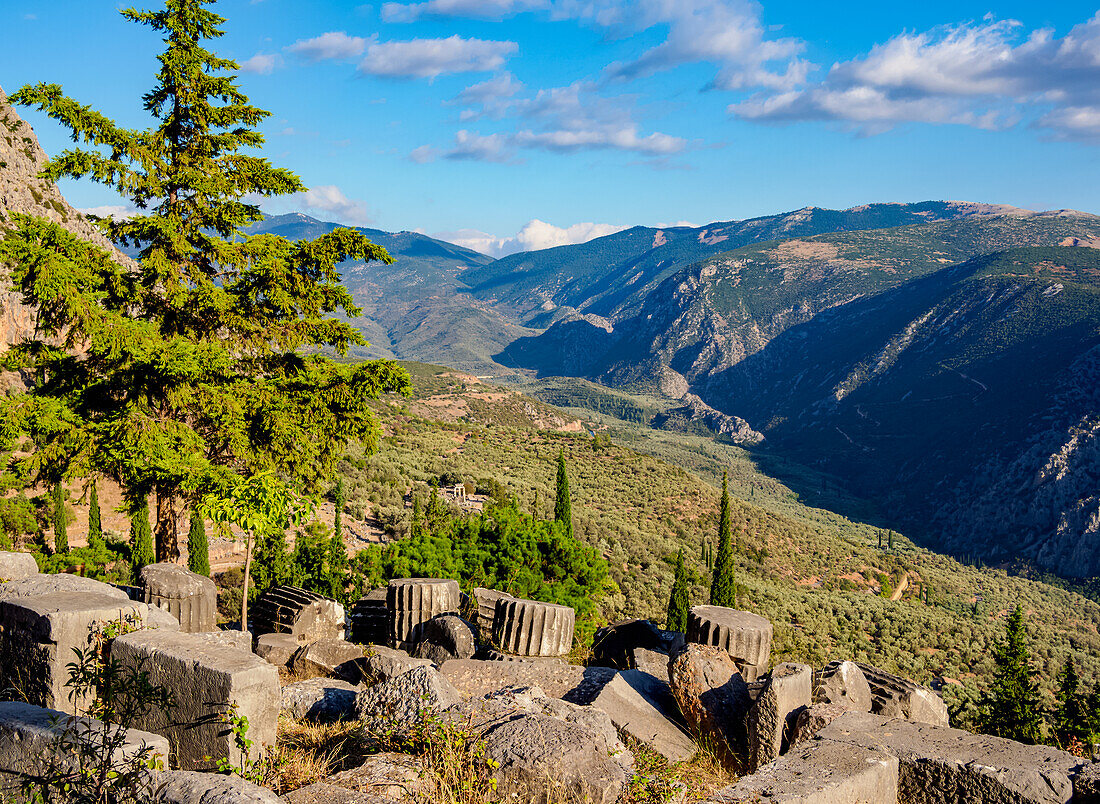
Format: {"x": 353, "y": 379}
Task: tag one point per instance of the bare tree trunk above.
{"x": 247, "y": 568}
{"x": 167, "y": 532}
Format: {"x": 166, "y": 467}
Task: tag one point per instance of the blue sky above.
{"x": 509, "y": 124}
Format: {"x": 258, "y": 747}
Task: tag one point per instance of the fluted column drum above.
{"x": 532, "y": 628}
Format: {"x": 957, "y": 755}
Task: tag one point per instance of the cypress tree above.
{"x": 417, "y": 528}
{"x": 562, "y": 508}
{"x": 1012, "y": 708}
{"x": 60, "y": 526}
{"x": 703, "y": 557}
{"x": 678, "y": 602}
{"x": 338, "y": 519}
{"x": 723, "y": 590}
{"x": 198, "y": 548}
{"x": 95, "y": 523}
{"x": 1071, "y": 717}
{"x": 141, "y": 540}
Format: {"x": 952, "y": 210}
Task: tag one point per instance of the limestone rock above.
{"x": 745, "y": 636}
{"x": 474, "y": 678}
{"x": 773, "y": 716}
{"x": 486, "y": 601}
{"x": 814, "y": 718}
{"x": 394, "y": 777}
{"x": 940, "y": 765}
{"x": 1086, "y": 784}
{"x": 368, "y": 619}
{"x": 277, "y": 648}
{"x": 446, "y": 637}
{"x": 712, "y": 696}
{"x": 380, "y": 663}
{"x": 35, "y": 585}
{"x": 327, "y": 793}
{"x": 616, "y": 645}
{"x": 897, "y": 697}
{"x": 652, "y": 662}
{"x": 400, "y": 702}
{"x": 643, "y": 707}
{"x": 291, "y": 610}
{"x": 16, "y": 566}
{"x": 823, "y": 772}
{"x": 843, "y": 683}
{"x": 204, "y": 679}
{"x": 411, "y": 602}
{"x": 327, "y": 657}
{"x": 533, "y": 628}
{"x": 320, "y": 700}
{"x": 191, "y": 598}
{"x": 191, "y": 787}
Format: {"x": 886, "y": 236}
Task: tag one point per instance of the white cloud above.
{"x": 262, "y": 63}
{"x": 477, "y": 9}
{"x": 494, "y": 97}
{"x": 118, "y": 212}
{"x": 429, "y": 58}
{"x": 535, "y": 235}
{"x": 988, "y": 74}
{"x": 331, "y": 45}
{"x": 326, "y": 201}
{"x": 623, "y": 139}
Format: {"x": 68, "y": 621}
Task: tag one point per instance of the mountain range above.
{"x": 942, "y": 358}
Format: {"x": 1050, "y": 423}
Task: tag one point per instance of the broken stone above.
{"x": 651, "y": 662}
{"x": 814, "y": 718}
{"x": 327, "y": 657}
{"x": 474, "y": 678}
{"x": 616, "y": 645}
{"x": 745, "y": 636}
{"x": 191, "y": 598}
{"x": 394, "y": 777}
{"x": 191, "y": 787}
{"x": 772, "y": 718}
{"x": 444, "y": 638}
{"x": 823, "y": 772}
{"x": 319, "y": 700}
{"x": 277, "y": 648}
{"x": 897, "y": 697}
{"x": 398, "y": 704}
{"x": 486, "y": 600}
{"x": 326, "y": 793}
{"x": 533, "y": 628}
{"x": 291, "y": 610}
{"x": 643, "y": 707}
{"x": 16, "y": 566}
{"x": 35, "y": 585}
{"x": 940, "y": 765}
{"x": 380, "y": 663}
{"x": 843, "y": 683}
{"x": 206, "y": 681}
{"x": 1086, "y": 784}
{"x": 368, "y": 619}
{"x": 713, "y": 698}
{"x": 412, "y": 602}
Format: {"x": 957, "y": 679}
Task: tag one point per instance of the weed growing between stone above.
{"x": 310, "y": 752}
{"x": 657, "y": 782}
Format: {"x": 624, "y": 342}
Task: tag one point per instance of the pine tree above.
{"x": 723, "y": 589}
{"x": 1071, "y": 717}
{"x": 141, "y": 540}
{"x": 244, "y": 318}
{"x": 338, "y": 519}
{"x": 678, "y": 601}
{"x": 562, "y": 506}
{"x": 416, "y": 529}
{"x": 60, "y": 524}
{"x": 1012, "y": 709}
{"x": 95, "y": 523}
{"x": 198, "y": 548}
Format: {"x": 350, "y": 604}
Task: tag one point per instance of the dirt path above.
{"x": 903, "y": 584}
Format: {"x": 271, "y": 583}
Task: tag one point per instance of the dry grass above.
{"x": 656, "y": 782}
{"x": 310, "y": 752}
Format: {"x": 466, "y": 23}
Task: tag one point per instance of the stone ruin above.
{"x": 846, "y": 732}
{"x": 192, "y": 599}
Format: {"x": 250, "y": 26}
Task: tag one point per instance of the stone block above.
{"x": 31, "y": 743}
{"x": 823, "y": 772}
{"x": 402, "y": 701}
{"x": 745, "y": 636}
{"x": 843, "y": 683}
{"x": 277, "y": 648}
{"x": 643, "y": 707}
{"x": 615, "y": 645}
{"x": 320, "y": 700}
{"x": 533, "y": 628}
{"x": 191, "y": 598}
{"x": 486, "y": 601}
{"x": 190, "y": 787}
{"x": 393, "y": 777}
{"x": 474, "y": 678}
{"x": 230, "y": 638}
{"x": 16, "y": 566}
{"x": 1086, "y": 784}
{"x": 334, "y": 658}
{"x": 652, "y": 662}
{"x": 411, "y": 602}
{"x": 368, "y": 619}
{"x": 38, "y": 634}
{"x": 814, "y": 718}
{"x": 773, "y": 716}
{"x": 206, "y": 681}
{"x": 713, "y": 698}
{"x": 35, "y": 585}
{"x": 940, "y": 765}
{"x": 291, "y": 610}
{"x": 326, "y": 793}
{"x": 897, "y": 697}
{"x": 446, "y": 637}
{"x": 380, "y": 663}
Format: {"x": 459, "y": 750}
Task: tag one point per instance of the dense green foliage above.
{"x": 679, "y": 601}
{"x": 141, "y": 540}
{"x": 723, "y": 585}
{"x": 563, "y": 508}
{"x": 198, "y": 365}
{"x": 60, "y": 519}
{"x": 198, "y": 546}
{"x": 1012, "y": 708}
